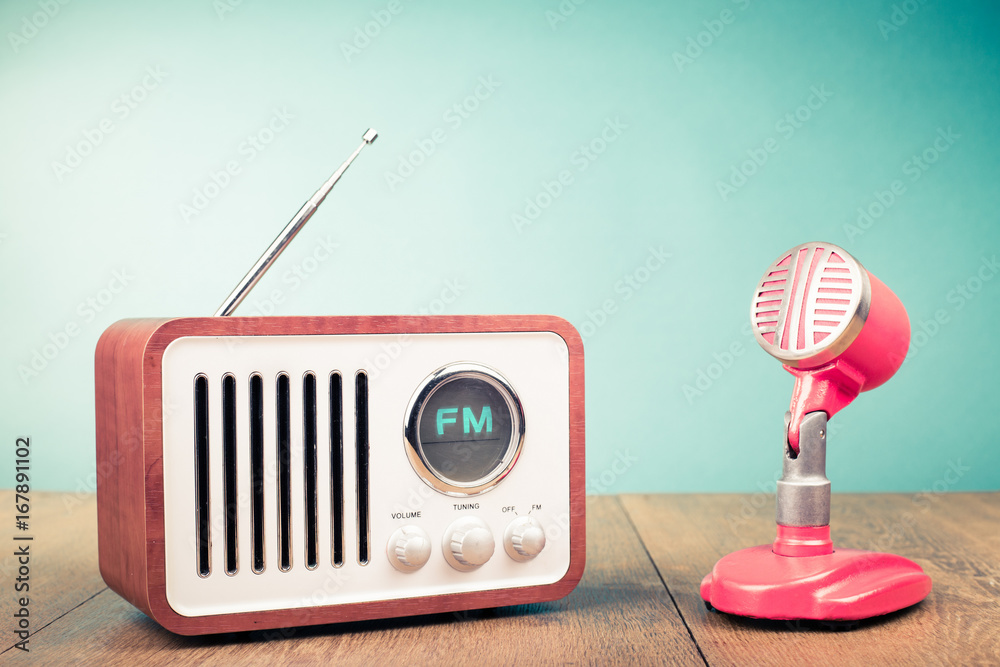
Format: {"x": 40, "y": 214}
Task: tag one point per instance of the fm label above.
{"x": 468, "y": 419}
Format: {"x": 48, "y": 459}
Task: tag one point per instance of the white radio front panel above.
{"x": 396, "y": 366}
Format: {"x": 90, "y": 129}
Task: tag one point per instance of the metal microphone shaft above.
{"x": 293, "y": 227}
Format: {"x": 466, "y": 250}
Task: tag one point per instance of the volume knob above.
{"x": 468, "y": 544}
{"x": 524, "y": 538}
{"x": 408, "y": 549}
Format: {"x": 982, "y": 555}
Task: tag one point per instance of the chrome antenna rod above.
{"x": 293, "y": 227}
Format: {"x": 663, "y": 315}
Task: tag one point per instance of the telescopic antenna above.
{"x": 288, "y": 233}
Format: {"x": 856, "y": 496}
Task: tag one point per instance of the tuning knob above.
{"x": 468, "y": 543}
{"x": 409, "y": 549}
{"x": 524, "y": 538}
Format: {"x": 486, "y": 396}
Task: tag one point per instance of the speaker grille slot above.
{"x": 361, "y": 442}
{"x": 337, "y": 466}
{"x": 229, "y": 490}
{"x": 284, "y": 440}
{"x": 257, "y": 471}
{"x": 309, "y": 445}
{"x": 202, "y": 516}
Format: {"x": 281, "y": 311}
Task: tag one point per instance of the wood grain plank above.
{"x": 63, "y": 559}
{"x": 953, "y": 536}
{"x": 620, "y": 613}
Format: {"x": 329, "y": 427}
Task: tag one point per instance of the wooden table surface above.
{"x": 638, "y": 601}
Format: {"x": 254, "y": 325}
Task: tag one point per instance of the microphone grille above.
{"x": 810, "y": 304}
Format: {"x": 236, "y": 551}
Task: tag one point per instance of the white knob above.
{"x": 468, "y": 543}
{"x": 409, "y": 549}
{"x": 524, "y": 538}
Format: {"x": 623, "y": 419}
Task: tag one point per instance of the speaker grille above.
{"x": 209, "y": 461}
{"x": 810, "y": 304}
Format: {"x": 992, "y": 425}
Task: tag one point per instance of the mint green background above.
{"x": 559, "y": 83}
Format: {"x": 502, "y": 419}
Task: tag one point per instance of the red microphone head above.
{"x": 837, "y": 328}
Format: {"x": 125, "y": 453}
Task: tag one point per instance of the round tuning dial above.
{"x": 409, "y": 549}
{"x": 524, "y": 538}
{"x": 468, "y": 543}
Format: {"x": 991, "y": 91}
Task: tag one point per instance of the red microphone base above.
{"x": 840, "y": 585}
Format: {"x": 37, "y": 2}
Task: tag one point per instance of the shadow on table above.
{"x": 809, "y": 625}
{"x": 537, "y": 610}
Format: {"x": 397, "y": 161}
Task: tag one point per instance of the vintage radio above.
{"x": 262, "y": 472}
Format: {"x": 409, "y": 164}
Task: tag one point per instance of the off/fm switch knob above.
{"x": 468, "y": 543}
{"x": 524, "y": 538}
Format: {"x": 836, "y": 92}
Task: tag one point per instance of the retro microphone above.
{"x": 840, "y": 331}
